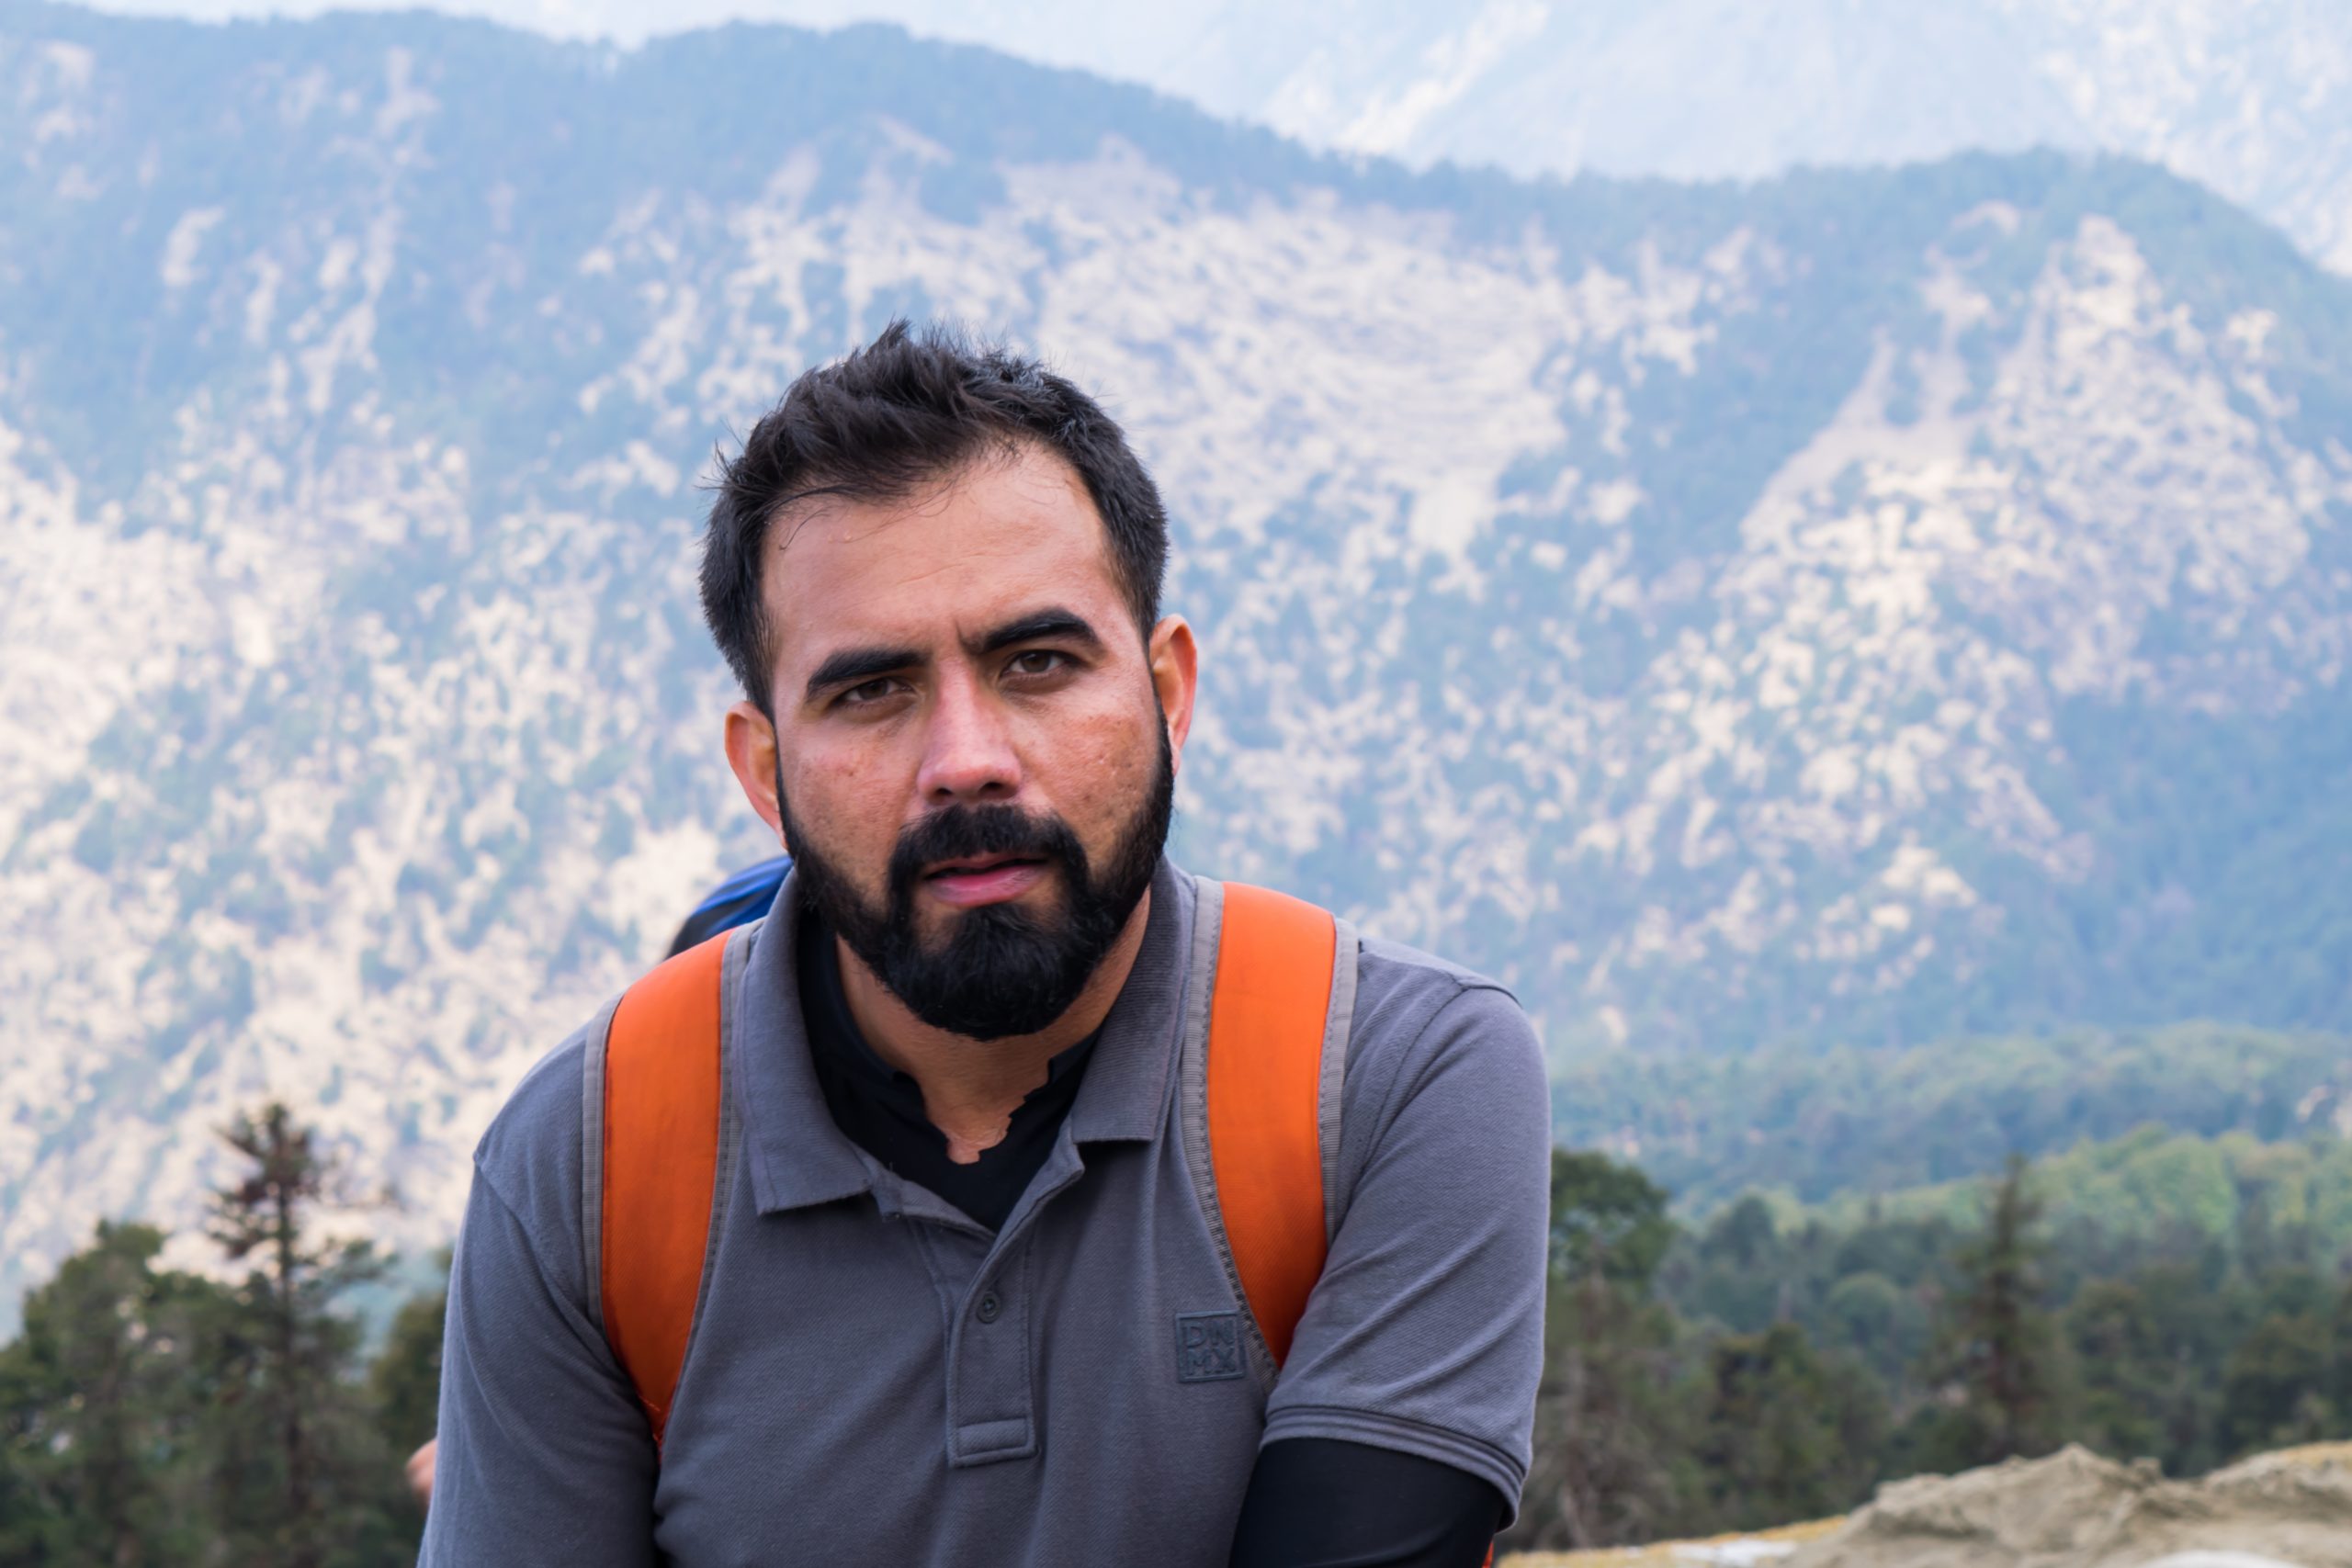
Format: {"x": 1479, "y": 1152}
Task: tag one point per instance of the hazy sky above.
{"x": 1152, "y": 44}
{"x": 629, "y": 21}
{"x": 624, "y": 20}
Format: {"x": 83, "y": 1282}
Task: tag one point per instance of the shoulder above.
{"x": 1430, "y": 1033}
{"x": 1412, "y": 1005}
{"x": 531, "y": 1156}
{"x": 1392, "y": 967}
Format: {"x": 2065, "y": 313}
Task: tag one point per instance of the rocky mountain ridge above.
{"x": 2253, "y": 98}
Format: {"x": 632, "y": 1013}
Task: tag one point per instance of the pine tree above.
{"x": 1609, "y": 1220}
{"x": 2339, "y": 1353}
{"x": 2274, "y": 1385}
{"x": 1998, "y": 1356}
{"x": 101, "y": 1411}
{"x": 300, "y": 1464}
{"x": 1609, "y": 1466}
{"x": 154, "y": 1418}
{"x": 2127, "y": 1376}
{"x": 1784, "y": 1432}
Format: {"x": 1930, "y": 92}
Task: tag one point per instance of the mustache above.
{"x": 961, "y": 833}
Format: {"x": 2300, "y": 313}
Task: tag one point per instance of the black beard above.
{"x": 1001, "y": 970}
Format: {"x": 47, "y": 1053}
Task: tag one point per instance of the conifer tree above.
{"x": 2000, "y": 1351}
{"x": 97, "y": 1413}
{"x": 2126, "y": 1376}
{"x": 2274, "y": 1385}
{"x": 301, "y": 1463}
{"x": 1784, "y": 1432}
{"x": 1608, "y": 1440}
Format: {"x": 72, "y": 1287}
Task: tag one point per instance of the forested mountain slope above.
{"x": 1865, "y": 606}
{"x": 1860, "y": 1122}
{"x": 2253, "y": 99}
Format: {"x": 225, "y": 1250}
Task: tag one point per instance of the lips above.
{"x": 971, "y": 864}
{"x": 976, "y": 880}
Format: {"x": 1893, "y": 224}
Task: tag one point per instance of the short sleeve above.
{"x": 1425, "y": 1332}
{"x": 544, "y": 1456}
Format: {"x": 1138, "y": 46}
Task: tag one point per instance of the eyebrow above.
{"x": 853, "y": 666}
{"x": 1047, "y": 625}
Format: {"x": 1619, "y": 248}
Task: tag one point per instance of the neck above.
{"x": 971, "y": 1088}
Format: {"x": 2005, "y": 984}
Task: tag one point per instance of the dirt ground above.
{"x": 2073, "y": 1509}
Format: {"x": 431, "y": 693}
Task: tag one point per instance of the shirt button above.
{"x": 988, "y": 1307}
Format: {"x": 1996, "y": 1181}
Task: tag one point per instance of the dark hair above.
{"x": 904, "y": 409}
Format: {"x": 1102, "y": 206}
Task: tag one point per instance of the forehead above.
{"x": 1003, "y": 533}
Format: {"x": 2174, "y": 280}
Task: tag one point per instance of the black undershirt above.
{"x": 1313, "y": 1501}
{"x": 1320, "y": 1503}
{"x": 880, "y": 1108}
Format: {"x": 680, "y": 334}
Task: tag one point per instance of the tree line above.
{"x": 1754, "y": 1370}
{"x": 1815, "y": 1121}
{"x": 1751, "y": 1372}
{"x": 156, "y": 1415}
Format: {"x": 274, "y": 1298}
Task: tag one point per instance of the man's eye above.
{"x": 871, "y": 691}
{"x": 1037, "y": 661}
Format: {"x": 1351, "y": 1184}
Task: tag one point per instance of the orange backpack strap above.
{"x": 1267, "y": 1008}
{"x": 652, "y": 1119}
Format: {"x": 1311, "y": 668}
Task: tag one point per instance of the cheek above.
{"x": 838, "y": 799}
{"x": 1102, "y": 771}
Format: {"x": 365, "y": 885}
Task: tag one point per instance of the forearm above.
{"x": 1317, "y": 1503}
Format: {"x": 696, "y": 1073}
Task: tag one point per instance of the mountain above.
{"x": 1867, "y": 606}
{"x": 2253, "y": 99}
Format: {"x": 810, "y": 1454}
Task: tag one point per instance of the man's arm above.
{"x": 1313, "y": 1503}
{"x": 1423, "y": 1337}
{"x": 544, "y": 1456}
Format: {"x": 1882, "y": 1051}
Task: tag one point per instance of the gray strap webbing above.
{"x": 1200, "y": 989}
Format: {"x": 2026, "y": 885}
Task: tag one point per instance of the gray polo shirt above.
{"x": 874, "y": 1379}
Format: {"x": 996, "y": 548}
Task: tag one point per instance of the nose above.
{"x": 968, "y": 756}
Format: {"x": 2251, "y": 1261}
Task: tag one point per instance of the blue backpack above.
{"x": 738, "y": 901}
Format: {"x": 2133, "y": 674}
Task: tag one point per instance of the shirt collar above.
{"x": 799, "y": 1157}
{"x": 1124, "y": 1095}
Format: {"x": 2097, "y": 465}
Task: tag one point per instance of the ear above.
{"x": 751, "y": 751}
{"x": 1175, "y": 675}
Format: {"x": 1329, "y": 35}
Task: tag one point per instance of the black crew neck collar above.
{"x": 879, "y": 1107}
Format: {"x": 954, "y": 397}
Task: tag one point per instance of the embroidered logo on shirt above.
{"x": 1208, "y": 1346}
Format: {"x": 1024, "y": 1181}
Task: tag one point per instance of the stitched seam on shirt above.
{"x": 540, "y": 1251}
{"x": 1501, "y": 1456}
{"x": 1026, "y": 1286}
{"x": 1440, "y": 1445}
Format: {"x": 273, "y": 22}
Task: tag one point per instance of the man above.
{"x": 969, "y": 1292}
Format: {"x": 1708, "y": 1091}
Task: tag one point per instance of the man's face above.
{"x": 974, "y": 743}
